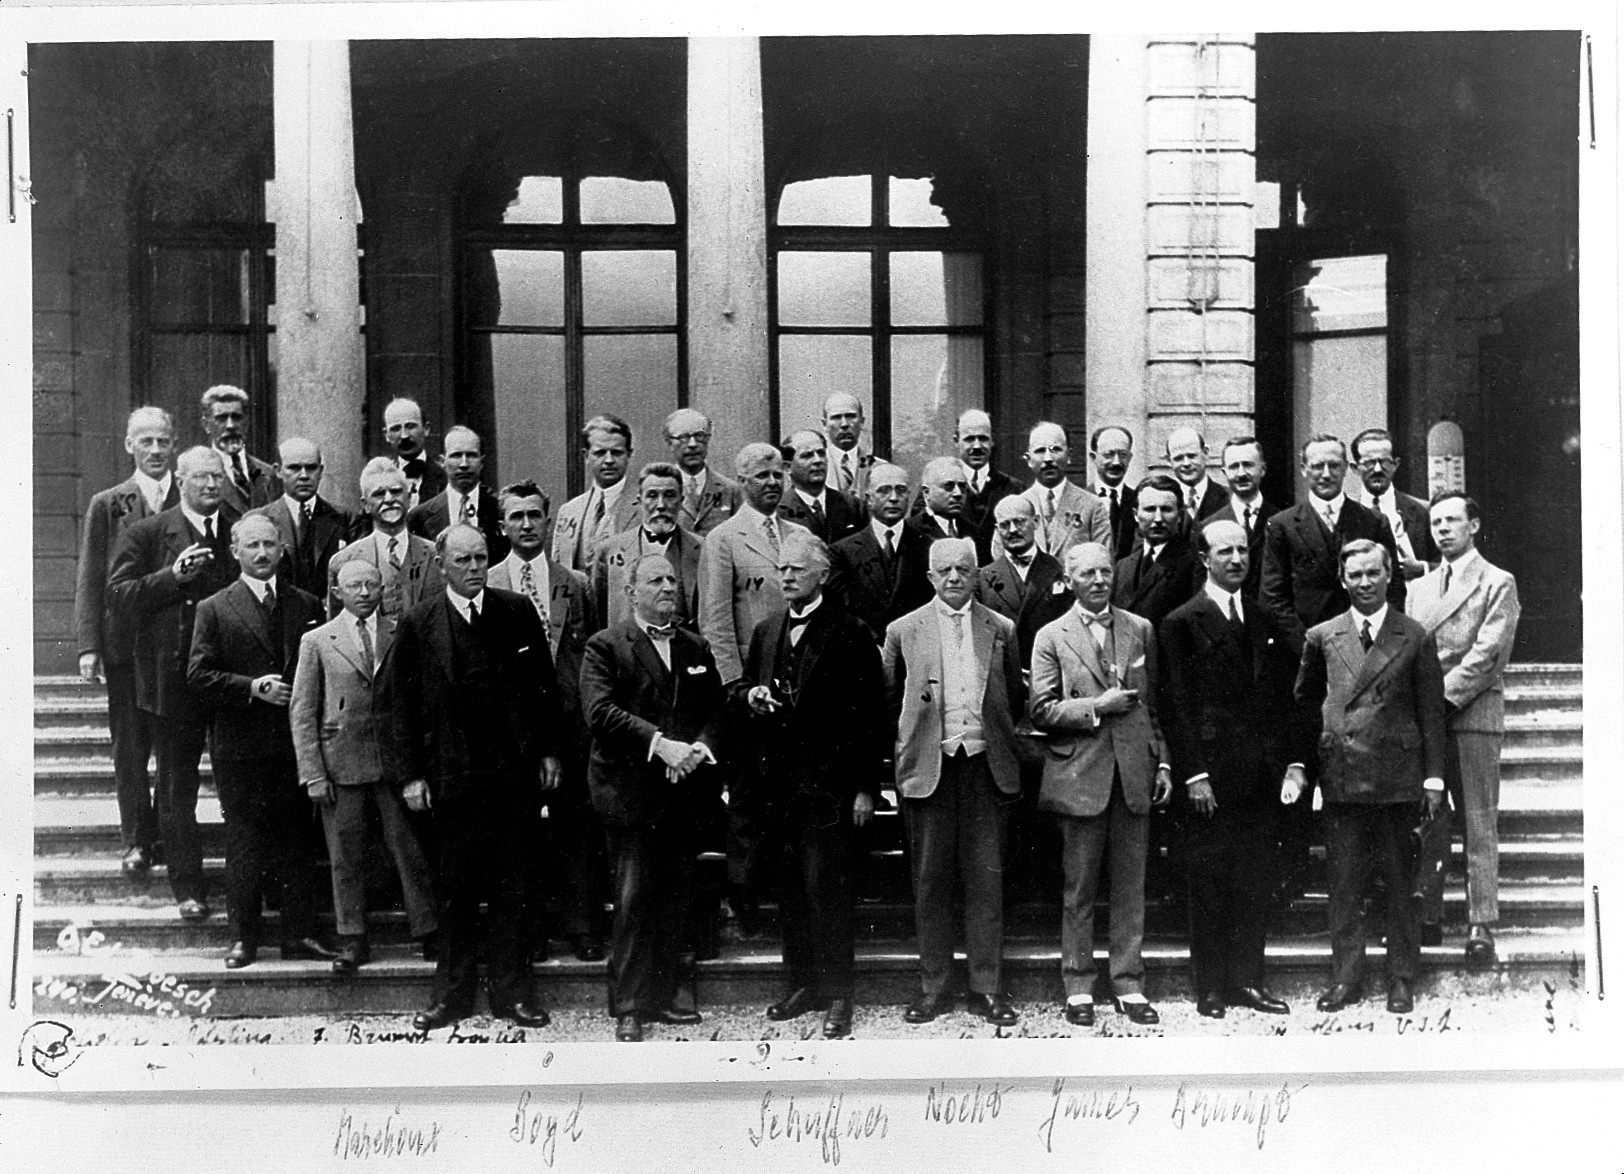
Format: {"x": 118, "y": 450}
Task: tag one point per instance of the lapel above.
{"x": 1213, "y": 625}
{"x": 981, "y": 640}
{"x": 1311, "y": 531}
{"x": 386, "y": 638}
{"x": 559, "y": 586}
{"x": 643, "y": 650}
{"x": 252, "y": 615}
{"x": 930, "y": 635}
{"x": 1460, "y": 590}
{"x": 338, "y": 638}
{"x": 1082, "y": 643}
{"x": 772, "y": 636}
{"x": 438, "y": 636}
{"x": 1386, "y": 645}
{"x": 813, "y": 639}
{"x": 1005, "y": 582}
{"x": 1124, "y": 643}
{"x": 753, "y": 538}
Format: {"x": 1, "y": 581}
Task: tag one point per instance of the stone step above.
{"x": 1543, "y": 764}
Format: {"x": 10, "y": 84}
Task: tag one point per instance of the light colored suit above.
{"x": 864, "y": 461}
{"x": 418, "y": 579}
{"x": 1475, "y": 625}
{"x": 570, "y": 603}
{"x": 719, "y": 502}
{"x": 572, "y": 544}
{"x": 738, "y": 586}
{"x": 1079, "y": 516}
{"x": 621, "y": 553}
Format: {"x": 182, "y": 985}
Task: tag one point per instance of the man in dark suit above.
{"x": 985, "y": 486}
{"x": 408, "y": 440}
{"x": 1228, "y": 680}
{"x": 659, "y": 492}
{"x": 1244, "y": 468}
{"x": 1111, "y": 450}
{"x": 245, "y": 648}
{"x": 477, "y": 727}
{"x": 464, "y": 499}
{"x": 882, "y": 572}
{"x": 250, "y": 482}
{"x": 943, "y": 486}
{"x": 1022, "y": 584}
{"x": 1406, "y": 516}
{"x": 1375, "y": 677}
{"x": 818, "y": 700}
{"x": 312, "y": 528}
{"x": 1163, "y": 571}
{"x": 106, "y": 641}
{"x": 828, "y": 513}
{"x": 164, "y": 567}
{"x": 654, "y": 702}
{"x": 1200, "y": 495}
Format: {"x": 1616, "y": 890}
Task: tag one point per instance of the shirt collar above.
{"x": 383, "y": 538}
{"x": 880, "y": 528}
{"x": 808, "y": 609}
{"x": 696, "y": 481}
{"x": 818, "y": 498}
{"x": 259, "y": 586}
{"x": 611, "y": 495}
{"x": 1377, "y": 619}
{"x": 154, "y": 487}
{"x": 461, "y": 604}
{"x": 197, "y": 519}
{"x": 1090, "y": 615}
{"x": 645, "y": 625}
{"x": 1240, "y": 505}
{"x": 1196, "y": 491}
{"x": 1221, "y": 597}
{"x": 1464, "y": 561}
{"x": 943, "y": 610}
{"x": 1334, "y": 505}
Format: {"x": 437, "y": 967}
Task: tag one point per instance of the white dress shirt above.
{"x": 1332, "y": 507}
{"x": 515, "y": 565}
{"x": 259, "y": 586}
{"x": 352, "y": 624}
{"x": 881, "y": 530}
{"x": 1224, "y": 598}
{"x": 453, "y": 501}
{"x": 197, "y": 520}
{"x": 461, "y": 603}
{"x": 403, "y": 547}
{"x": 155, "y": 491}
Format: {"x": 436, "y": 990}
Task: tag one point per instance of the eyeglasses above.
{"x": 1371, "y": 464}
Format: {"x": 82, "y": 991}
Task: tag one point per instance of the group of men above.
{"x": 797, "y": 638}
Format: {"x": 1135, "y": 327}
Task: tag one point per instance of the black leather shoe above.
{"x": 431, "y": 947}
{"x": 433, "y": 1016}
{"x": 795, "y": 1004}
{"x": 927, "y": 1007}
{"x": 589, "y": 949}
{"x": 241, "y": 954}
{"x": 307, "y": 950}
{"x": 193, "y": 910}
{"x": 352, "y": 955}
{"x": 995, "y": 1009}
{"x": 680, "y": 1016}
{"x": 1479, "y": 945}
{"x": 1432, "y": 934}
{"x": 1258, "y": 999}
{"x": 1141, "y": 1013}
{"x": 1080, "y": 1014}
{"x": 1210, "y": 1005}
{"x": 1399, "y": 999}
{"x": 527, "y": 1015}
{"x": 837, "y": 1019}
{"x": 1336, "y": 997}
{"x": 136, "y": 861}
{"x": 628, "y": 1029}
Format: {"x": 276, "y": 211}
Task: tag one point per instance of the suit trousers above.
{"x": 1357, "y": 837}
{"x": 180, "y": 741}
{"x": 344, "y": 823}
{"x": 131, "y": 727}
{"x": 1085, "y": 840}
{"x": 266, "y": 816}
{"x": 956, "y": 833}
{"x": 812, "y": 858}
{"x": 1228, "y": 869}
{"x": 654, "y": 880}
{"x": 1472, "y": 774}
{"x": 575, "y": 871}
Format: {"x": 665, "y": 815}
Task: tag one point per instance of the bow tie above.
{"x": 414, "y": 467}
{"x": 801, "y": 621}
{"x": 1102, "y": 620}
{"x": 662, "y": 539}
{"x": 1022, "y": 562}
{"x": 661, "y": 631}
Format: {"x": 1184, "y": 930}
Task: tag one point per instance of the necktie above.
{"x": 1447, "y": 570}
{"x": 958, "y": 629}
{"x": 1364, "y": 635}
{"x": 772, "y": 533}
{"x": 239, "y": 476}
{"x": 208, "y": 530}
{"x": 473, "y": 615}
{"x": 890, "y": 548}
{"x": 817, "y": 516}
{"x": 1235, "y": 617}
{"x": 1048, "y": 509}
{"x": 268, "y": 600}
{"x": 844, "y": 465}
{"x": 306, "y": 552}
{"x": 1246, "y": 520}
{"x": 1193, "y": 503}
{"x": 527, "y": 584}
{"x": 394, "y": 552}
{"x": 304, "y": 516}
{"x": 690, "y": 498}
{"x": 367, "y": 665}
{"x": 661, "y": 631}
{"x": 468, "y": 510}
{"x": 1330, "y": 518}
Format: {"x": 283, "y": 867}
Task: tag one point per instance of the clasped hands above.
{"x": 681, "y": 758}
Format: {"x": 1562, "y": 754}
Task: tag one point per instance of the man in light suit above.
{"x": 1244, "y": 468}
{"x": 881, "y": 573}
{"x": 250, "y": 482}
{"x": 406, "y": 562}
{"x": 1022, "y": 584}
{"x": 1374, "y": 675}
{"x": 408, "y": 441}
{"x": 828, "y": 513}
{"x": 659, "y": 492}
{"x": 1067, "y": 514}
{"x": 1111, "y": 449}
{"x": 849, "y": 459}
{"x": 1406, "y": 516}
{"x": 1094, "y": 693}
{"x": 1200, "y": 495}
{"x": 465, "y": 498}
{"x": 107, "y": 640}
{"x": 573, "y": 872}
{"x": 245, "y": 647}
{"x": 589, "y": 520}
{"x": 312, "y": 528}
{"x": 1470, "y": 608}
{"x": 953, "y": 679}
{"x": 708, "y": 498}
{"x": 340, "y": 738}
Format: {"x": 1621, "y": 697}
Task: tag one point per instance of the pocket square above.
{"x": 1057, "y": 587}
{"x": 1137, "y": 664}
{"x": 526, "y": 648}
{"x": 695, "y": 669}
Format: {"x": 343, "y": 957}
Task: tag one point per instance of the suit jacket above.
{"x": 865, "y": 464}
{"x": 1084, "y": 750}
{"x": 717, "y": 504}
{"x": 144, "y": 594}
{"x": 842, "y": 515}
{"x": 330, "y": 528}
{"x": 912, "y": 660}
{"x": 1417, "y": 518}
{"x": 1079, "y": 516}
{"x": 858, "y": 582}
{"x": 621, "y": 553}
{"x": 1474, "y": 625}
{"x": 428, "y": 725}
{"x": 738, "y": 587}
{"x": 431, "y": 482}
{"x": 1152, "y": 589}
{"x": 264, "y": 486}
{"x": 571, "y": 618}
{"x": 1381, "y": 712}
{"x": 340, "y": 729}
{"x": 1227, "y": 706}
{"x": 1302, "y": 578}
{"x": 1255, "y": 540}
{"x": 420, "y": 575}
{"x": 1042, "y": 598}
{"x": 1213, "y": 499}
{"x": 628, "y": 696}
{"x": 1125, "y": 526}
{"x": 832, "y": 741}
{"x": 569, "y": 531}
{"x": 110, "y": 514}
{"x": 428, "y": 518}
{"x": 234, "y": 643}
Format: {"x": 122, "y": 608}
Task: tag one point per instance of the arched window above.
{"x": 572, "y": 296}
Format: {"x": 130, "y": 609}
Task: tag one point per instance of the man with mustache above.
{"x": 1162, "y": 572}
{"x": 405, "y": 561}
{"x": 659, "y": 492}
{"x": 1244, "y": 468}
{"x": 250, "y": 482}
{"x": 1110, "y": 448}
{"x": 407, "y": 439}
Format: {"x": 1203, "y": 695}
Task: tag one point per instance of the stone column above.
{"x": 321, "y": 394}
{"x": 727, "y": 244}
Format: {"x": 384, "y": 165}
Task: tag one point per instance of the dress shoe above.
{"x": 431, "y": 947}
{"x": 1338, "y": 996}
{"x": 306, "y": 950}
{"x": 927, "y": 1007}
{"x": 1479, "y": 945}
{"x": 1258, "y": 999}
{"x": 193, "y": 910}
{"x": 1140, "y": 1012}
{"x": 1080, "y": 1014}
{"x": 795, "y": 1004}
{"x": 995, "y": 1009}
{"x": 433, "y": 1016}
{"x": 527, "y": 1015}
{"x": 1432, "y": 934}
{"x": 628, "y": 1029}
{"x": 837, "y": 1019}
{"x": 589, "y": 949}
{"x": 136, "y": 861}
{"x": 679, "y": 1016}
{"x": 241, "y": 954}
{"x": 1210, "y": 1005}
{"x": 352, "y": 955}
{"x": 1399, "y": 999}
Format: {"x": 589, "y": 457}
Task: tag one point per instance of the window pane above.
{"x": 1340, "y": 293}
{"x": 629, "y": 288}
{"x": 934, "y": 377}
{"x": 824, "y": 289}
{"x": 633, "y": 376}
{"x": 935, "y": 289}
{"x": 516, "y": 287}
{"x": 607, "y": 199}
{"x": 199, "y": 287}
{"x": 1339, "y": 385}
{"x": 836, "y": 199}
{"x": 540, "y": 200}
{"x": 911, "y": 206}
{"x": 812, "y": 367}
{"x": 197, "y": 361}
{"x": 532, "y": 431}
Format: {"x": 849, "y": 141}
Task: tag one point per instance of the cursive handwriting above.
{"x": 1202, "y": 1107}
{"x": 393, "y": 1139}
{"x": 1087, "y": 1104}
{"x": 826, "y": 1126}
{"x": 965, "y": 1108}
{"x": 533, "y": 1126}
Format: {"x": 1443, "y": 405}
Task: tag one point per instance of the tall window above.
{"x": 572, "y": 304}
{"x": 1339, "y": 345}
{"x": 878, "y": 289}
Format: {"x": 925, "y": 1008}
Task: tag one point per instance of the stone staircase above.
{"x": 102, "y": 940}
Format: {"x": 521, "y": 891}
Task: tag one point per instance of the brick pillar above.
{"x": 319, "y": 387}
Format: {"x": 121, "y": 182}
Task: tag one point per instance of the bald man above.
{"x": 1022, "y": 584}
{"x": 708, "y": 498}
{"x": 985, "y": 486}
{"x": 407, "y": 438}
{"x": 849, "y": 458}
{"x": 1187, "y": 454}
{"x": 1067, "y": 513}
{"x": 312, "y": 528}
{"x": 828, "y": 513}
{"x": 465, "y": 498}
